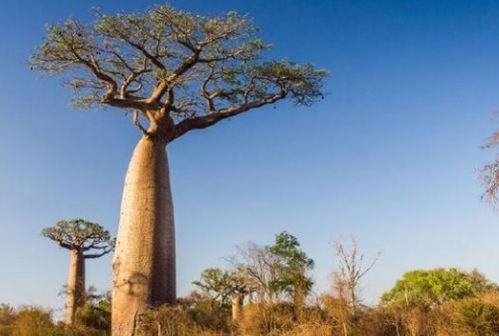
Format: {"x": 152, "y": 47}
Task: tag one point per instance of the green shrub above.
{"x": 96, "y": 314}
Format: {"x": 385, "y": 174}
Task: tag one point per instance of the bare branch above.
{"x": 136, "y": 122}
{"x": 97, "y": 255}
{"x": 351, "y": 271}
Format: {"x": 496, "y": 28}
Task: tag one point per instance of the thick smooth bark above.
{"x": 144, "y": 260}
{"x": 237, "y": 307}
{"x": 75, "y": 290}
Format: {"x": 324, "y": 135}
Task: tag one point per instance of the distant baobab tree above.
{"x": 175, "y": 72}
{"x": 85, "y": 240}
{"x": 224, "y": 286}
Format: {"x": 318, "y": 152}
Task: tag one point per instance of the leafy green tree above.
{"x": 291, "y": 266}
{"x": 176, "y": 72}
{"x": 84, "y": 240}
{"x": 96, "y": 312}
{"x": 217, "y": 284}
{"x": 435, "y": 287}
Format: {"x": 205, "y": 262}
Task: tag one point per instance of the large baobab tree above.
{"x": 175, "y": 72}
{"x": 84, "y": 240}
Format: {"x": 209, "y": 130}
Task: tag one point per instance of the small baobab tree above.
{"x": 225, "y": 287}
{"x": 84, "y": 240}
{"x": 175, "y": 72}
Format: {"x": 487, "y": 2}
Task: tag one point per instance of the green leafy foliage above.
{"x": 291, "y": 265}
{"x": 96, "y": 313}
{"x": 435, "y": 287}
{"x": 81, "y": 235}
{"x": 191, "y": 65}
{"x": 220, "y": 285}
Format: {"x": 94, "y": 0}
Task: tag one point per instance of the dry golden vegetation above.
{"x": 327, "y": 316}
{"x": 267, "y": 291}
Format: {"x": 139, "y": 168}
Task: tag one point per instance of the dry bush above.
{"x": 33, "y": 321}
{"x": 476, "y": 317}
{"x": 328, "y": 316}
{"x": 441, "y": 321}
{"x": 414, "y": 320}
{"x": 181, "y": 320}
{"x": 491, "y": 296}
{"x": 313, "y": 322}
{"x": 7, "y": 318}
{"x": 309, "y": 329}
{"x": 371, "y": 322}
{"x": 338, "y": 312}
{"x": 78, "y": 330}
{"x": 266, "y": 319}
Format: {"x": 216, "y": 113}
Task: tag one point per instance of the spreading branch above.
{"x": 152, "y": 62}
{"x": 81, "y": 235}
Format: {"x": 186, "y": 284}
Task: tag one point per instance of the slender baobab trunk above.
{"x": 299, "y": 303}
{"x": 353, "y": 299}
{"x": 75, "y": 290}
{"x": 237, "y": 307}
{"x": 144, "y": 260}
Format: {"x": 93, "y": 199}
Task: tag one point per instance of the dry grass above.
{"x": 477, "y": 316}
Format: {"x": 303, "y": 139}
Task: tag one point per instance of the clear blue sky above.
{"x": 391, "y": 155}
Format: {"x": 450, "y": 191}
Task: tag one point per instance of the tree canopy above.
{"x": 165, "y": 63}
{"x": 78, "y": 234}
{"x": 221, "y": 285}
{"x": 435, "y": 287}
{"x": 291, "y": 265}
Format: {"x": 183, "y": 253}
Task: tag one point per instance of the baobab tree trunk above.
{"x": 237, "y": 307}
{"x": 299, "y": 303}
{"x": 75, "y": 290}
{"x": 353, "y": 298}
{"x": 144, "y": 260}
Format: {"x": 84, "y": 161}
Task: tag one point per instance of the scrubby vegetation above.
{"x": 93, "y": 319}
{"x": 266, "y": 290}
{"x": 326, "y": 315}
